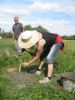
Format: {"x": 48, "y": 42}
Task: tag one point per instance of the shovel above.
{"x": 20, "y": 63}
{"x": 32, "y": 54}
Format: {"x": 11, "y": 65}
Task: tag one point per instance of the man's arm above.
{"x": 21, "y": 26}
{"x": 36, "y": 57}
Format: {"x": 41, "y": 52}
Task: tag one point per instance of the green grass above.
{"x": 8, "y": 89}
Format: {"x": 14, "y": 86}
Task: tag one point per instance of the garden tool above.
{"x": 20, "y": 62}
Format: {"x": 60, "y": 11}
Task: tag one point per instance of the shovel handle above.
{"x": 20, "y": 68}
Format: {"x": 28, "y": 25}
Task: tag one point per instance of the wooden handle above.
{"x": 20, "y": 68}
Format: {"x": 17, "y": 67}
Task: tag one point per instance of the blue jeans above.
{"x": 53, "y": 52}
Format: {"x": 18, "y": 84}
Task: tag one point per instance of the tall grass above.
{"x": 8, "y": 89}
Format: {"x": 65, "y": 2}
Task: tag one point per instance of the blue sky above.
{"x": 56, "y": 15}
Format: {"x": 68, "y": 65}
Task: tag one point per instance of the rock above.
{"x": 0, "y": 37}
{"x": 68, "y": 80}
{"x": 7, "y": 53}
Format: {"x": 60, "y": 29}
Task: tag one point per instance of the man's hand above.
{"x": 25, "y": 64}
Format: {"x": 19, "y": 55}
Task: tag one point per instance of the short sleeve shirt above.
{"x": 17, "y": 29}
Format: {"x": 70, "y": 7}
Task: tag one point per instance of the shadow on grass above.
{"x": 30, "y": 69}
{"x": 33, "y": 69}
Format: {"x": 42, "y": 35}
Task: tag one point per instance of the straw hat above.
{"x": 28, "y": 38}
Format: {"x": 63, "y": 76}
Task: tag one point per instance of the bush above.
{"x": 6, "y": 34}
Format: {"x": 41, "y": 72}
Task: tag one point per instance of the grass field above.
{"x": 11, "y": 90}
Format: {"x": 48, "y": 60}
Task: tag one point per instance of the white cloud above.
{"x": 71, "y": 9}
{"x": 39, "y": 6}
{"x": 3, "y": 22}
{"x": 36, "y": 6}
{"x": 13, "y": 11}
{"x": 43, "y": 6}
{"x": 61, "y": 27}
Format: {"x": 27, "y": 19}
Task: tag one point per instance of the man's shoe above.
{"x": 38, "y": 72}
{"x": 45, "y": 80}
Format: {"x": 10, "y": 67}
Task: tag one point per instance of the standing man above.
{"x": 17, "y": 29}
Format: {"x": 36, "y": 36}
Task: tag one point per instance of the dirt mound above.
{"x": 21, "y": 79}
{"x": 9, "y": 70}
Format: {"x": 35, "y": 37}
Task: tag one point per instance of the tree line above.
{"x": 27, "y": 27}
{"x": 38, "y": 28}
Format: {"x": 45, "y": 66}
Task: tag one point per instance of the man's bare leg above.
{"x": 49, "y": 74}
{"x": 38, "y": 72}
{"x": 41, "y": 65}
{"x": 50, "y": 70}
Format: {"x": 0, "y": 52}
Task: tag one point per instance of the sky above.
{"x": 58, "y": 16}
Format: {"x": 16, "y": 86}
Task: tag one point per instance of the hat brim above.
{"x": 34, "y": 39}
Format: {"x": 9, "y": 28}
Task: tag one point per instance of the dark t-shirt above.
{"x": 50, "y": 39}
{"x": 17, "y": 29}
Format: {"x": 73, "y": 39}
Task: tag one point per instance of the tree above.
{"x": 38, "y": 28}
{"x": 69, "y": 37}
{"x": 28, "y": 27}
{"x": 0, "y": 29}
{"x": 41, "y": 29}
{"x": 6, "y": 34}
